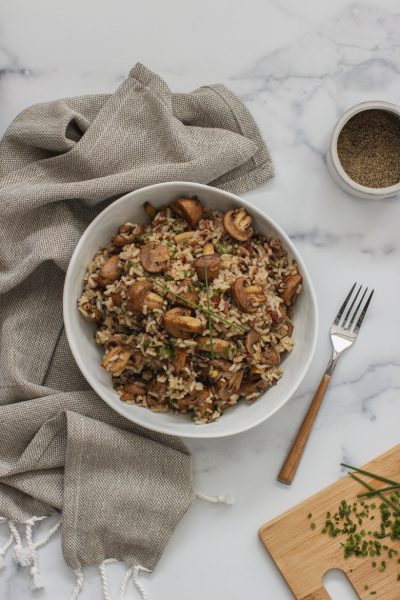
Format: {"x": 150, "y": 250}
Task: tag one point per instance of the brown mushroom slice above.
{"x": 179, "y": 359}
{"x": 90, "y": 312}
{"x": 219, "y": 367}
{"x": 218, "y": 346}
{"x": 189, "y": 209}
{"x": 136, "y": 295}
{"x": 184, "y": 237}
{"x": 291, "y": 284}
{"x": 180, "y": 324}
{"x": 127, "y": 234}
{"x": 251, "y": 338}
{"x": 116, "y": 359}
{"x": 110, "y": 271}
{"x": 254, "y": 387}
{"x": 225, "y": 389}
{"x": 156, "y": 396}
{"x": 132, "y": 390}
{"x": 271, "y": 357}
{"x": 247, "y": 297}
{"x": 116, "y": 298}
{"x": 237, "y": 222}
{"x": 150, "y": 210}
{"x": 154, "y": 257}
{"x": 139, "y": 295}
{"x": 197, "y": 399}
{"x": 289, "y": 326}
{"x": 210, "y": 263}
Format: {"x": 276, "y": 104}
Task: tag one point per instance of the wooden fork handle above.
{"x": 292, "y": 461}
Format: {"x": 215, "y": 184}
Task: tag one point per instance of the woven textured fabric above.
{"x": 121, "y": 489}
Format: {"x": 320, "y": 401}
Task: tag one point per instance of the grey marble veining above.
{"x": 297, "y": 66}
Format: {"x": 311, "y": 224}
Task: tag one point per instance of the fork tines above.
{"x": 361, "y": 308}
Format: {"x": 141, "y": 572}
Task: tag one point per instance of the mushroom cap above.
{"x": 189, "y": 209}
{"x": 237, "y": 222}
{"x": 225, "y": 389}
{"x": 178, "y": 322}
{"x": 136, "y": 295}
{"x": 209, "y": 262}
{"x": 246, "y": 296}
{"x": 291, "y": 284}
{"x": 219, "y": 346}
{"x": 109, "y": 272}
{"x": 154, "y": 257}
{"x": 251, "y": 338}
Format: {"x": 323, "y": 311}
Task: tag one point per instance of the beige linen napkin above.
{"x": 121, "y": 489}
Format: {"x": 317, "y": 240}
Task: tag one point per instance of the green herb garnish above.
{"x": 213, "y": 314}
{"x": 209, "y": 312}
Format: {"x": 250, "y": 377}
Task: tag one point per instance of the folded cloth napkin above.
{"x": 121, "y": 489}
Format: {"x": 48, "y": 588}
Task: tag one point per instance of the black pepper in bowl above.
{"x": 369, "y": 148}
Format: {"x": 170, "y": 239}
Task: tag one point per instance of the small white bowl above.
{"x": 88, "y": 354}
{"x": 334, "y": 165}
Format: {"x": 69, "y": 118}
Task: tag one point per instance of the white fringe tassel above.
{"x": 4, "y": 549}
{"x": 226, "y": 499}
{"x": 134, "y": 573}
{"x": 104, "y": 582}
{"x": 78, "y": 585}
{"x": 26, "y": 555}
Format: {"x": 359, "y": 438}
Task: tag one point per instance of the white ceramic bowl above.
{"x": 88, "y": 355}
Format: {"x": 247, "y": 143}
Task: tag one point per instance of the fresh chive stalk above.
{"x": 211, "y": 313}
{"x": 208, "y": 306}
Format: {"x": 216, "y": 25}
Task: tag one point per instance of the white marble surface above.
{"x": 297, "y": 66}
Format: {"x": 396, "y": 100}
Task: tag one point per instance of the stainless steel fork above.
{"x": 344, "y": 333}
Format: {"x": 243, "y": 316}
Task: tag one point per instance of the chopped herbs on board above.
{"x": 366, "y": 534}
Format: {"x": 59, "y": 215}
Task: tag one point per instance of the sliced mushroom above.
{"x": 289, "y": 326}
{"x": 149, "y": 210}
{"x": 271, "y": 357}
{"x": 278, "y": 315}
{"x": 218, "y": 368}
{"x": 245, "y": 297}
{"x": 156, "y": 396}
{"x": 139, "y": 295}
{"x": 180, "y": 324}
{"x": 179, "y": 359}
{"x": 209, "y": 265}
{"x": 198, "y": 399}
{"x": 185, "y": 236}
{"x": 157, "y": 389}
{"x": 136, "y": 361}
{"x": 116, "y": 359}
{"x": 116, "y": 298}
{"x": 127, "y": 234}
{"x": 110, "y": 271}
{"x": 154, "y": 257}
{"x": 225, "y": 389}
{"x": 251, "y": 338}
{"x": 254, "y": 387}
{"x": 237, "y": 223}
{"x": 132, "y": 390}
{"x": 291, "y": 284}
{"x": 208, "y": 249}
{"x": 90, "y": 312}
{"x": 189, "y": 209}
{"x": 219, "y": 346}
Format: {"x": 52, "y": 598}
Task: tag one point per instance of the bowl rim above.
{"x": 196, "y": 433}
{"x": 382, "y": 105}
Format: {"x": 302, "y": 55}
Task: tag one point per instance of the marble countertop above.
{"x": 297, "y": 66}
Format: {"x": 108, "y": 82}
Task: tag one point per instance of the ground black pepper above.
{"x": 369, "y": 148}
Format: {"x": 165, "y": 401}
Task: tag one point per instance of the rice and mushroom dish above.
{"x": 193, "y": 309}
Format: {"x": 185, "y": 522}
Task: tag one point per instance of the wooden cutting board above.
{"x": 303, "y": 555}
